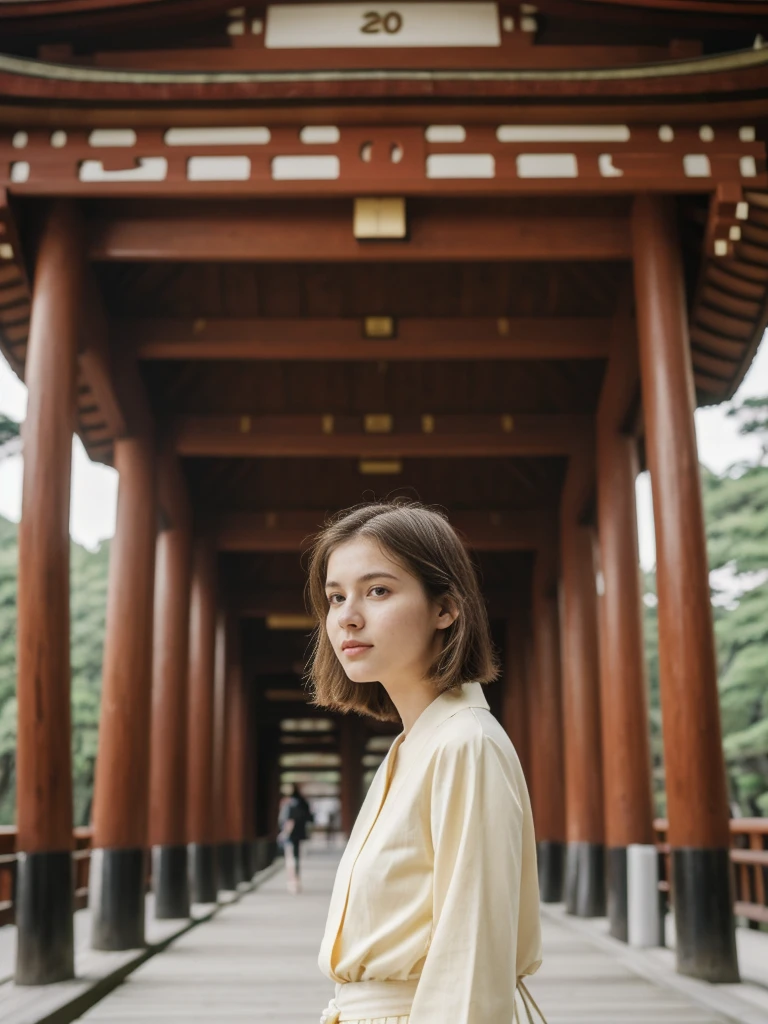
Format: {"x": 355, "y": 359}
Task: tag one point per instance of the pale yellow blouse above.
{"x": 438, "y": 886}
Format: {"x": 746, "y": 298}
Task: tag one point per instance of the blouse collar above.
{"x": 443, "y": 707}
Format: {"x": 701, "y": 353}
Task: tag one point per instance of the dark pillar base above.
{"x": 551, "y": 861}
{"x": 585, "y": 879}
{"x": 226, "y": 857}
{"x": 703, "y": 899}
{"x": 617, "y": 892}
{"x": 45, "y": 951}
{"x": 256, "y": 855}
{"x": 116, "y": 891}
{"x": 571, "y": 877}
{"x": 170, "y": 882}
{"x": 202, "y": 873}
{"x": 262, "y": 854}
{"x": 246, "y": 861}
{"x": 240, "y": 873}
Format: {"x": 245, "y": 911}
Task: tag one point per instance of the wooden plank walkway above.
{"x": 256, "y": 962}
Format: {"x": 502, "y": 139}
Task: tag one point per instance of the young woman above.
{"x": 434, "y": 917}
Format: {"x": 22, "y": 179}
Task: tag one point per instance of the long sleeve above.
{"x": 470, "y": 973}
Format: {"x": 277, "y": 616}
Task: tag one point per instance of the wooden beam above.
{"x": 297, "y": 231}
{"x": 521, "y": 530}
{"x": 344, "y": 339}
{"x": 258, "y": 602}
{"x": 415, "y": 437}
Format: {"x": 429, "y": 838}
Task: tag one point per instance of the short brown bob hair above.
{"x": 426, "y": 545}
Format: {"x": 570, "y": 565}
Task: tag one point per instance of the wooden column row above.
{"x": 146, "y": 771}
{"x": 611, "y": 689}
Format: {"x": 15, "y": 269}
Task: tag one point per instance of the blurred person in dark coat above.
{"x": 295, "y": 821}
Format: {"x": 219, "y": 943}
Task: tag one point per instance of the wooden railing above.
{"x": 749, "y": 856}
{"x": 81, "y": 857}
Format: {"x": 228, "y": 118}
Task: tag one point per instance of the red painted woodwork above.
{"x": 202, "y": 643}
{"x": 236, "y": 741}
{"x": 453, "y": 436}
{"x": 43, "y": 760}
{"x": 623, "y": 685}
{"x": 581, "y": 687}
{"x": 545, "y": 705}
{"x": 517, "y": 50}
{"x": 695, "y": 771}
{"x": 121, "y": 789}
{"x": 439, "y": 230}
{"x": 344, "y": 339}
{"x": 517, "y": 683}
{"x": 168, "y": 759}
{"x": 692, "y": 79}
{"x": 291, "y": 530}
{"x": 623, "y": 700}
{"x": 220, "y": 726}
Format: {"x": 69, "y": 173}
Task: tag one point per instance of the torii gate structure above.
{"x": 272, "y": 259}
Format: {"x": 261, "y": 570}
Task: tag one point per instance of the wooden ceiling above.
{"x": 238, "y": 309}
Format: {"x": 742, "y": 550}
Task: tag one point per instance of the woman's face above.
{"x": 380, "y": 622}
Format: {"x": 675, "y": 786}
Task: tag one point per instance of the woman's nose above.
{"x": 350, "y": 615}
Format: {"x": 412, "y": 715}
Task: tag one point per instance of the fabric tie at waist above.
{"x": 363, "y": 1000}
{"x": 372, "y": 1000}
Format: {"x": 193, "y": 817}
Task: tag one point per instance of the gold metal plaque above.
{"x": 378, "y": 423}
{"x": 379, "y": 327}
{"x": 380, "y": 467}
{"x": 380, "y": 218}
{"x": 290, "y": 622}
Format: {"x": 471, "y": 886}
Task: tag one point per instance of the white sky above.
{"x": 94, "y": 487}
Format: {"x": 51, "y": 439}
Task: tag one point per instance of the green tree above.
{"x": 736, "y": 515}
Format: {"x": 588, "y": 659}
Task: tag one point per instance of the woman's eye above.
{"x": 332, "y": 596}
{"x": 382, "y": 591}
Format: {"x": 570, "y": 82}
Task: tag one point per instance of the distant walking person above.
{"x": 295, "y": 818}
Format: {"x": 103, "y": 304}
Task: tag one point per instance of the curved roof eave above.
{"x": 742, "y": 71}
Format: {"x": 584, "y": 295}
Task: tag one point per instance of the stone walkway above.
{"x": 256, "y": 962}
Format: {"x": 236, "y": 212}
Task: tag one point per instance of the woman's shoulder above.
{"x": 472, "y": 730}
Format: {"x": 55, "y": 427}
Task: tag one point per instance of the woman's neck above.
{"x": 411, "y": 700}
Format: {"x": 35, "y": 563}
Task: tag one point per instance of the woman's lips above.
{"x": 355, "y": 649}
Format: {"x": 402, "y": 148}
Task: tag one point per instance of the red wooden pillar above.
{"x": 168, "y": 757}
{"x": 515, "y": 699}
{"x": 121, "y": 792}
{"x": 624, "y": 706}
{"x": 236, "y": 758}
{"x": 45, "y": 949}
{"x": 251, "y": 762}
{"x": 696, "y": 787}
{"x": 352, "y": 744}
{"x": 201, "y": 822}
{"x": 585, "y": 855}
{"x": 251, "y": 768}
{"x": 547, "y": 735}
{"x": 226, "y": 751}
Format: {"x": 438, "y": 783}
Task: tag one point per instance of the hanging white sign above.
{"x": 345, "y": 26}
